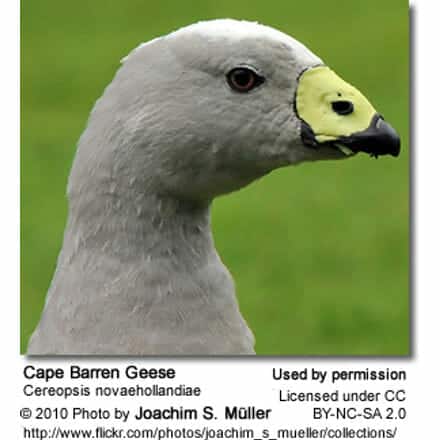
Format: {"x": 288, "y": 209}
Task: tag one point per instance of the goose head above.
{"x": 198, "y": 113}
{"x": 213, "y": 106}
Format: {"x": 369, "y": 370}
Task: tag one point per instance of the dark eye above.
{"x": 243, "y": 79}
{"x": 342, "y": 107}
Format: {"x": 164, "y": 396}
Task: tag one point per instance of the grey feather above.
{"x": 138, "y": 272}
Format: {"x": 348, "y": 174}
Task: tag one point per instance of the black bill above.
{"x": 378, "y": 139}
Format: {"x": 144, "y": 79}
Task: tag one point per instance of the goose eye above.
{"x": 243, "y": 79}
{"x": 342, "y": 107}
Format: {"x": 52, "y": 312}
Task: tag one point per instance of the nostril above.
{"x": 342, "y": 107}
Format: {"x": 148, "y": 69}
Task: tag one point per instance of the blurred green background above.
{"x": 319, "y": 252}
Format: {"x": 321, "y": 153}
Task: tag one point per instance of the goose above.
{"x": 195, "y": 114}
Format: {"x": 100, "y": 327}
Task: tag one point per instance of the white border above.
{"x": 426, "y": 221}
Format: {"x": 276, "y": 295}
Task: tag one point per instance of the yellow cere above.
{"x": 317, "y": 89}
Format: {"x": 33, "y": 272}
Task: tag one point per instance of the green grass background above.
{"x": 319, "y": 252}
